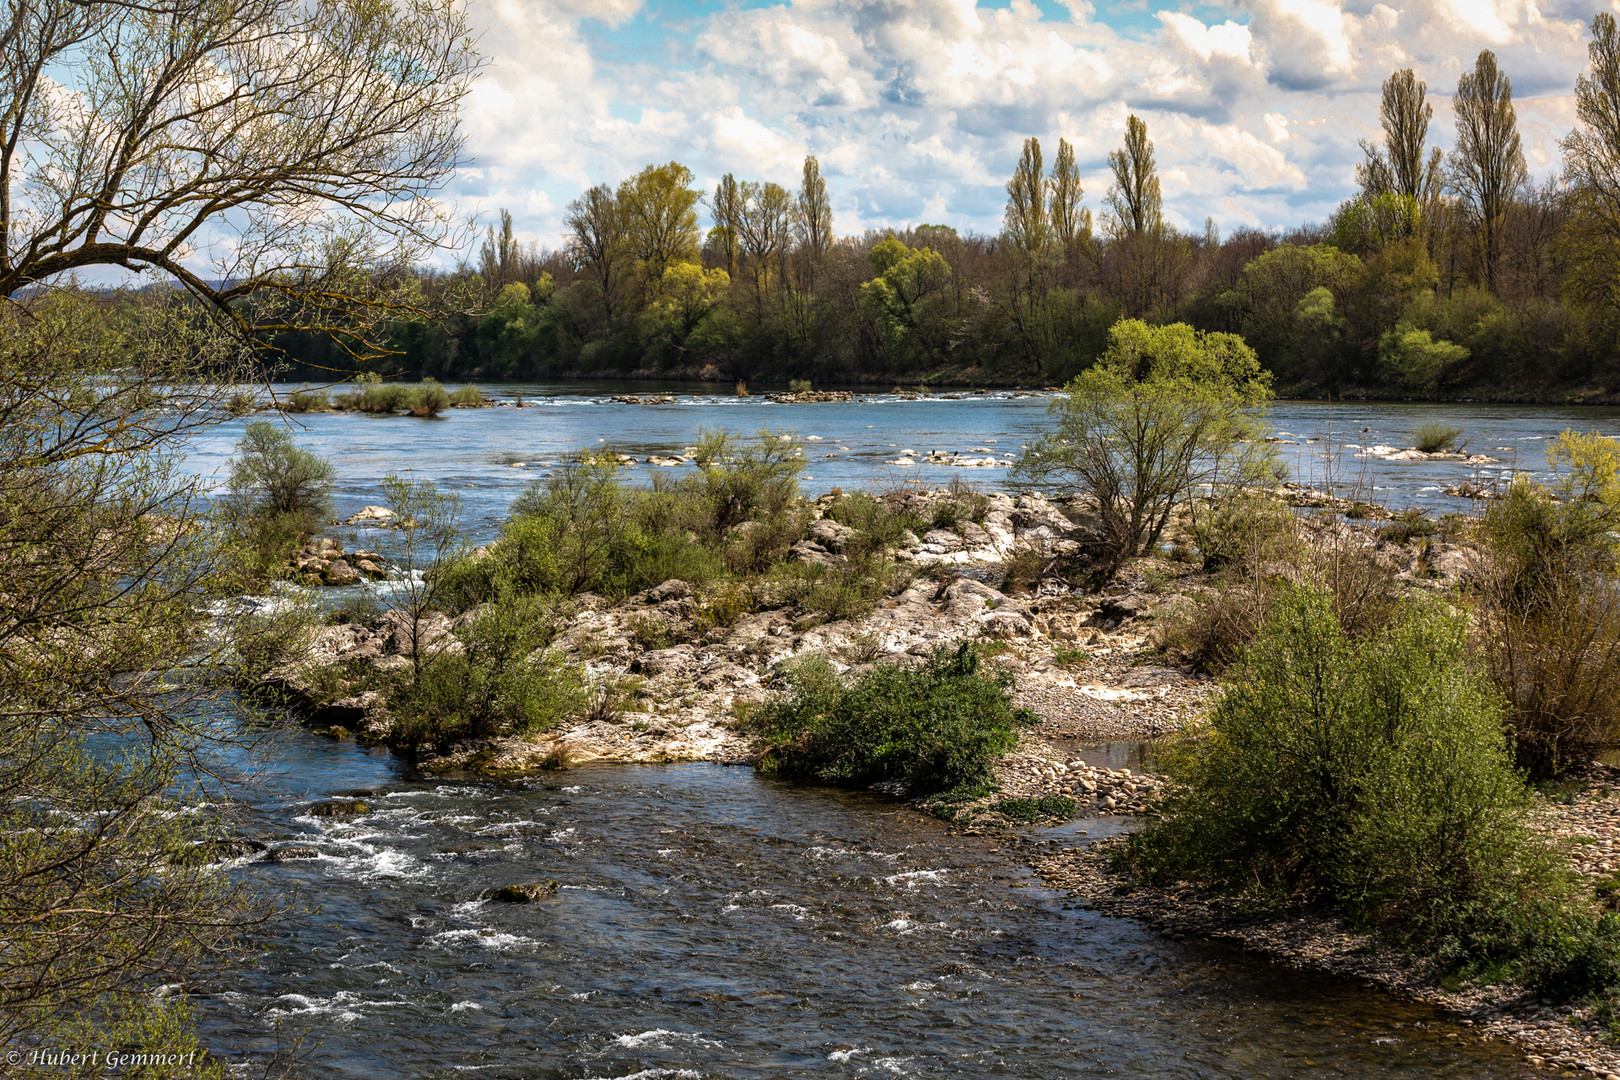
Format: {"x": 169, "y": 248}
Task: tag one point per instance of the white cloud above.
{"x": 917, "y": 108}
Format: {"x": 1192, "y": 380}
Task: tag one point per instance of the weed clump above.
{"x": 1029, "y": 811}
{"x": 938, "y": 727}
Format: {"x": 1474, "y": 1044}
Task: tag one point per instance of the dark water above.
{"x": 711, "y": 924}
{"x": 855, "y": 443}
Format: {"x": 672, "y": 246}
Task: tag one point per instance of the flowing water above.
{"x": 712, "y": 924}
{"x": 489, "y": 455}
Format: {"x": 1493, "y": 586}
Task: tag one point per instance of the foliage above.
{"x": 1549, "y": 612}
{"x": 937, "y": 727}
{"x": 501, "y": 681}
{"x": 276, "y": 496}
{"x": 1370, "y": 774}
{"x": 1165, "y": 410}
{"x": 1433, "y": 436}
{"x": 1028, "y": 811}
{"x": 1411, "y": 359}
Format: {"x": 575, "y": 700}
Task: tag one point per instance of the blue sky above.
{"x": 916, "y": 109}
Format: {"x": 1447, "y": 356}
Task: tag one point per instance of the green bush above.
{"x": 878, "y": 524}
{"x": 376, "y": 397}
{"x": 467, "y": 397}
{"x": 1165, "y": 411}
{"x": 938, "y": 727}
{"x": 1549, "y": 619}
{"x": 501, "y": 681}
{"x": 1373, "y": 775}
{"x": 844, "y": 591}
{"x": 1408, "y": 526}
{"x": 799, "y": 386}
{"x": 429, "y": 399}
{"x": 1028, "y": 811}
{"x": 306, "y": 400}
{"x": 1432, "y": 437}
{"x": 1243, "y": 531}
{"x": 276, "y": 495}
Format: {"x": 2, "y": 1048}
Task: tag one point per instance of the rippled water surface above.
{"x": 711, "y": 924}
{"x": 488, "y": 455}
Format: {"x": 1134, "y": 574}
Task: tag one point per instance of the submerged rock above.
{"x": 522, "y": 894}
{"x": 339, "y": 808}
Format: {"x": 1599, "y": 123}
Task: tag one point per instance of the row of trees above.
{"x": 1444, "y": 271}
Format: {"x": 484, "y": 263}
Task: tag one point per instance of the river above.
{"x": 489, "y": 455}
{"x": 712, "y": 924}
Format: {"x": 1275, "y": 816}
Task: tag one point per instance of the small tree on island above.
{"x": 1164, "y": 411}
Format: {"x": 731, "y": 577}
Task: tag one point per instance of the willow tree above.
{"x": 266, "y": 156}
{"x": 596, "y": 234}
{"x": 1487, "y": 166}
{"x": 263, "y": 164}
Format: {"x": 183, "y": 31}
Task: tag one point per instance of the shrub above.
{"x": 277, "y": 493}
{"x": 468, "y": 397}
{"x": 501, "y": 682}
{"x": 799, "y": 386}
{"x": 429, "y": 399}
{"x": 1408, "y": 526}
{"x": 878, "y": 523}
{"x": 1549, "y": 619}
{"x": 1163, "y": 411}
{"x": 376, "y": 397}
{"x": 937, "y": 727}
{"x": 1373, "y": 775}
{"x": 962, "y": 503}
{"x": 241, "y": 404}
{"x": 306, "y": 400}
{"x": 1411, "y": 359}
{"x": 1432, "y": 437}
{"x": 844, "y": 591}
{"x": 1243, "y": 531}
{"x": 739, "y": 480}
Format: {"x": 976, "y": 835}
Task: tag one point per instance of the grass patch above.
{"x": 1028, "y": 811}
{"x": 1432, "y": 437}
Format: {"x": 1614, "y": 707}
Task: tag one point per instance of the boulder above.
{"x": 663, "y": 661}
{"x": 673, "y": 589}
{"x": 291, "y": 854}
{"x": 522, "y": 894}
{"x": 372, "y": 515}
{"x": 830, "y": 534}
{"x": 811, "y": 553}
{"x": 339, "y": 572}
{"x": 396, "y": 630}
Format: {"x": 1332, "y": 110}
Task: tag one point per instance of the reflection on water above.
{"x": 711, "y": 924}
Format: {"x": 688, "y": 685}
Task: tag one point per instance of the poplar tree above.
{"x": 1400, "y": 167}
{"x": 1025, "y": 217}
{"x": 1070, "y": 221}
{"x": 1487, "y": 166}
{"x": 814, "y": 212}
{"x": 727, "y": 211}
{"x": 1134, "y": 198}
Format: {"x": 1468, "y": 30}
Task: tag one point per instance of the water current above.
{"x": 711, "y": 924}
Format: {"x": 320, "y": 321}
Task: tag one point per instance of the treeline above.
{"x": 1445, "y": 273}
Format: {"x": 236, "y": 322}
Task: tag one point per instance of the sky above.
{"x": 917, "y": 109}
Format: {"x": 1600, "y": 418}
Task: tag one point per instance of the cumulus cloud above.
{"x": 917, "y": 108}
